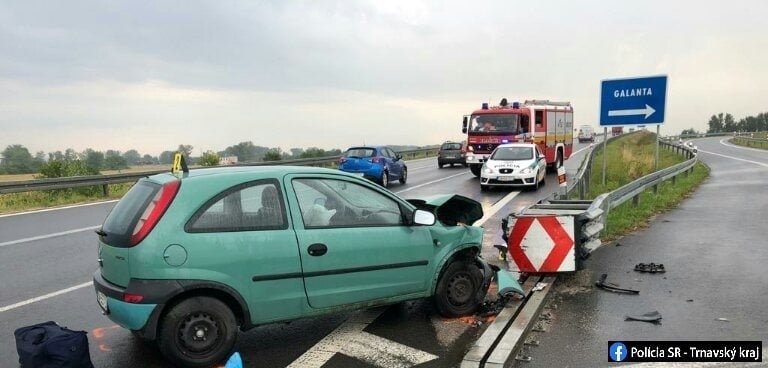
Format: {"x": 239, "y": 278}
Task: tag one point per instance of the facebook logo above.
{"x": 617, "y": 352}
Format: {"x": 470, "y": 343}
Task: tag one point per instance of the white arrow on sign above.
{"x": 647, "y": 111}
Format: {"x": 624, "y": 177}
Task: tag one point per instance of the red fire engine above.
{"x": 549, "y": 124}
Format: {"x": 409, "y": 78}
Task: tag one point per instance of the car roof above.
{"x": 265, "y": 171}
{"x": 366, "y": 146}
{"x": 506, "y": 145}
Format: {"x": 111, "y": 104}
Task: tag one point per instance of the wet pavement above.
{"x": 714, "y": 248}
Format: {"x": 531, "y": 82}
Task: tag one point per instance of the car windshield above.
{"x": 502, "y": 123}
{"x": 360, "y": 152}
{"x": 512, "y": 153}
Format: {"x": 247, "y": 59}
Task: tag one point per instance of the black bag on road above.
{"x": 48, "y": 345}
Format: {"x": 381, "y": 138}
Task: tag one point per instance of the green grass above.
{"x": 25, "y": 201}
{"x": 751, "y": 143}
{"x": 630, "y": 158}
{"x": 626, "y": 217}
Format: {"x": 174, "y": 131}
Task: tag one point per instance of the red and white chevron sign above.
{"x": 543, "y": 244}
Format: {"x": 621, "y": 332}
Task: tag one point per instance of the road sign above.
{"x": 633, "y": 101}
{"x": 543, "y": 244}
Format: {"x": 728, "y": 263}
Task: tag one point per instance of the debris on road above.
{"x": 502, "y": 251}
{"x": 539, "y": 286}
{"x": 723, "y": 320}
{"x": 608, "y": 286}
{"x": 650, "y": 267}
{"x": 653, "y": 317}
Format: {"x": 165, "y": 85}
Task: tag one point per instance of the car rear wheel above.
{"x": 384, "y": 181}
{"x": 404, "y": 176}
{"x": 198, "y": 332}
{"x": 439, "y": 165}
{"x": 457, "y": 288}
{"x": 475, "y": 170}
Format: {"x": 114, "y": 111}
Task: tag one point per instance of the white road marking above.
{"x": 735, "y": 158}
{"x": 350, "y": 339}
{"x": 58, "y": 208}
{"x": 431, "y": 182}
{"x": 43, "y": 297}
{"x": 495, "y": 208}
{"x": 40, "y": 237}
{"x": 725, "y": 143}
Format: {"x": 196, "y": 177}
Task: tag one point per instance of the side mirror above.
{"x": 421, "y": 217}
{"x": 464, "y": 125}
{"x": 398, "y": 157}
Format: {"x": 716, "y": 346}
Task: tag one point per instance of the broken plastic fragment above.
{"x": 608, "y": 286}
{"x": 539, "y": 286}
{"x": 650, "y": 267}
{"x": 507, "y": 284}
{"x": 653, "y": 317}
{"x": 234, "y": 361}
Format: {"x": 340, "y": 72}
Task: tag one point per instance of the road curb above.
{"x": 498, "y": 345}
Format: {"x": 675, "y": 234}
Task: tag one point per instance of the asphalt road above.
{"x": 47, "y": 258}
{"x": 714, "y": 250}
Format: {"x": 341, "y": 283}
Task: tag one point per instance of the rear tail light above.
{"x": 342, "y": 160}
{"x": 463, "y": 150}
{"x": 154, "y": 211}
{"x": 376, "y": 160}
{"x": 133, "y": 298}
{"x": 439, "y": 152}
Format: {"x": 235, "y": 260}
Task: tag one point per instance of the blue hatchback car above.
{"x": 378, "y": 163}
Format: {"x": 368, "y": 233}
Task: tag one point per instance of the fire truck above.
{"x": 547, "y": 123}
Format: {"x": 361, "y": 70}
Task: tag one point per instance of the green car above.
{"x": 188, "y": 259}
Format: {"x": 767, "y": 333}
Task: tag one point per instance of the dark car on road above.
{"x": 189, "y": 259}
{"x": 452, "y": 153}
{"x": 377, "y": 163}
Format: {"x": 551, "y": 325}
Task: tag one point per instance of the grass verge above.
{"x": 630, "y": 158}
{"x": 751, "y": 143}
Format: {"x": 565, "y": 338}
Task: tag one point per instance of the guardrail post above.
{"x": 636, "y": 200}
{"x": 656, "y": 187}
{"x": 105, "y": 189}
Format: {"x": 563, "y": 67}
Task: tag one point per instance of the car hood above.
{"x": 450, "y": 209}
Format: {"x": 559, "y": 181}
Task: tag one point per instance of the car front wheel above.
{"x": 404, "y": 176}
{"x": 457, "y": 288}
{"x": 198, "y": 332}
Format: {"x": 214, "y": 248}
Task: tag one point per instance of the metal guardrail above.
{"x": 608, "y": 201}
{"x": 106, "y": 180}
{"x": 751, "y": 142}
{"x": 583, "y": 176}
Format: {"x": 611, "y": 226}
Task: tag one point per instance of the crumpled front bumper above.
{"x": 508, "y": 285}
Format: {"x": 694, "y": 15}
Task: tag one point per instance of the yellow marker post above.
{"x": 179, "y": 164}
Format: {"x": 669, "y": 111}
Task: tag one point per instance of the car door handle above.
{"x": 317, "y": 249}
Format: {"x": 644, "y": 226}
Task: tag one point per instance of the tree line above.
{"x": 725, "y": 123}
{"x": 16, "y": 159}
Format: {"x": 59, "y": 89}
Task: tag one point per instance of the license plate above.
{"x": 102, "y": 299}
{"x": 506, "y": 178}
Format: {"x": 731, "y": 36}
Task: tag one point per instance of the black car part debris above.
{"x": 650, "y": 267}
{"x": 653, "y": 317}
{"x": 608, "y": 286}
{"x": 502, "y": 251}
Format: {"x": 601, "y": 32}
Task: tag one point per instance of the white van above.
{"x": 586, "y": 134}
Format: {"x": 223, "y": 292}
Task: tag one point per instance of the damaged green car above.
{"x": 187, "y": 260}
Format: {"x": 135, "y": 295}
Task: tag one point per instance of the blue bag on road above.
{"x": 48, "y": 345}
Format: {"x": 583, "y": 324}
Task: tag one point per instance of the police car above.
{"x": 514, "y": 165}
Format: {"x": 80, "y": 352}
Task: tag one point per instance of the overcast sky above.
{"x": 152, "y": 75}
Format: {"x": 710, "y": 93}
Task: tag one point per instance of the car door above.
{"x": 353, "y": 244}
{"x": 247, "y": 226}
{"x": 396, "y": 164}
{"x": 542, "y": 163}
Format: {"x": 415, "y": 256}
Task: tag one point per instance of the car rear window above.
{"x": 360, "y": 152}
{"x": 451, "y": 146}
{"x": 512, "y": 153}
{"x": 122, "y": 220}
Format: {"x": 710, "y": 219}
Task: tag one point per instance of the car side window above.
{"x": 384, "y": 152}
{"x": 332, "y": 203}
{"x": 391, "y": 153}
{"x": 246, "y": 207}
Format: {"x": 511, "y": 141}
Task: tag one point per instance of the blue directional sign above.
{"x": 633, "y": 101}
